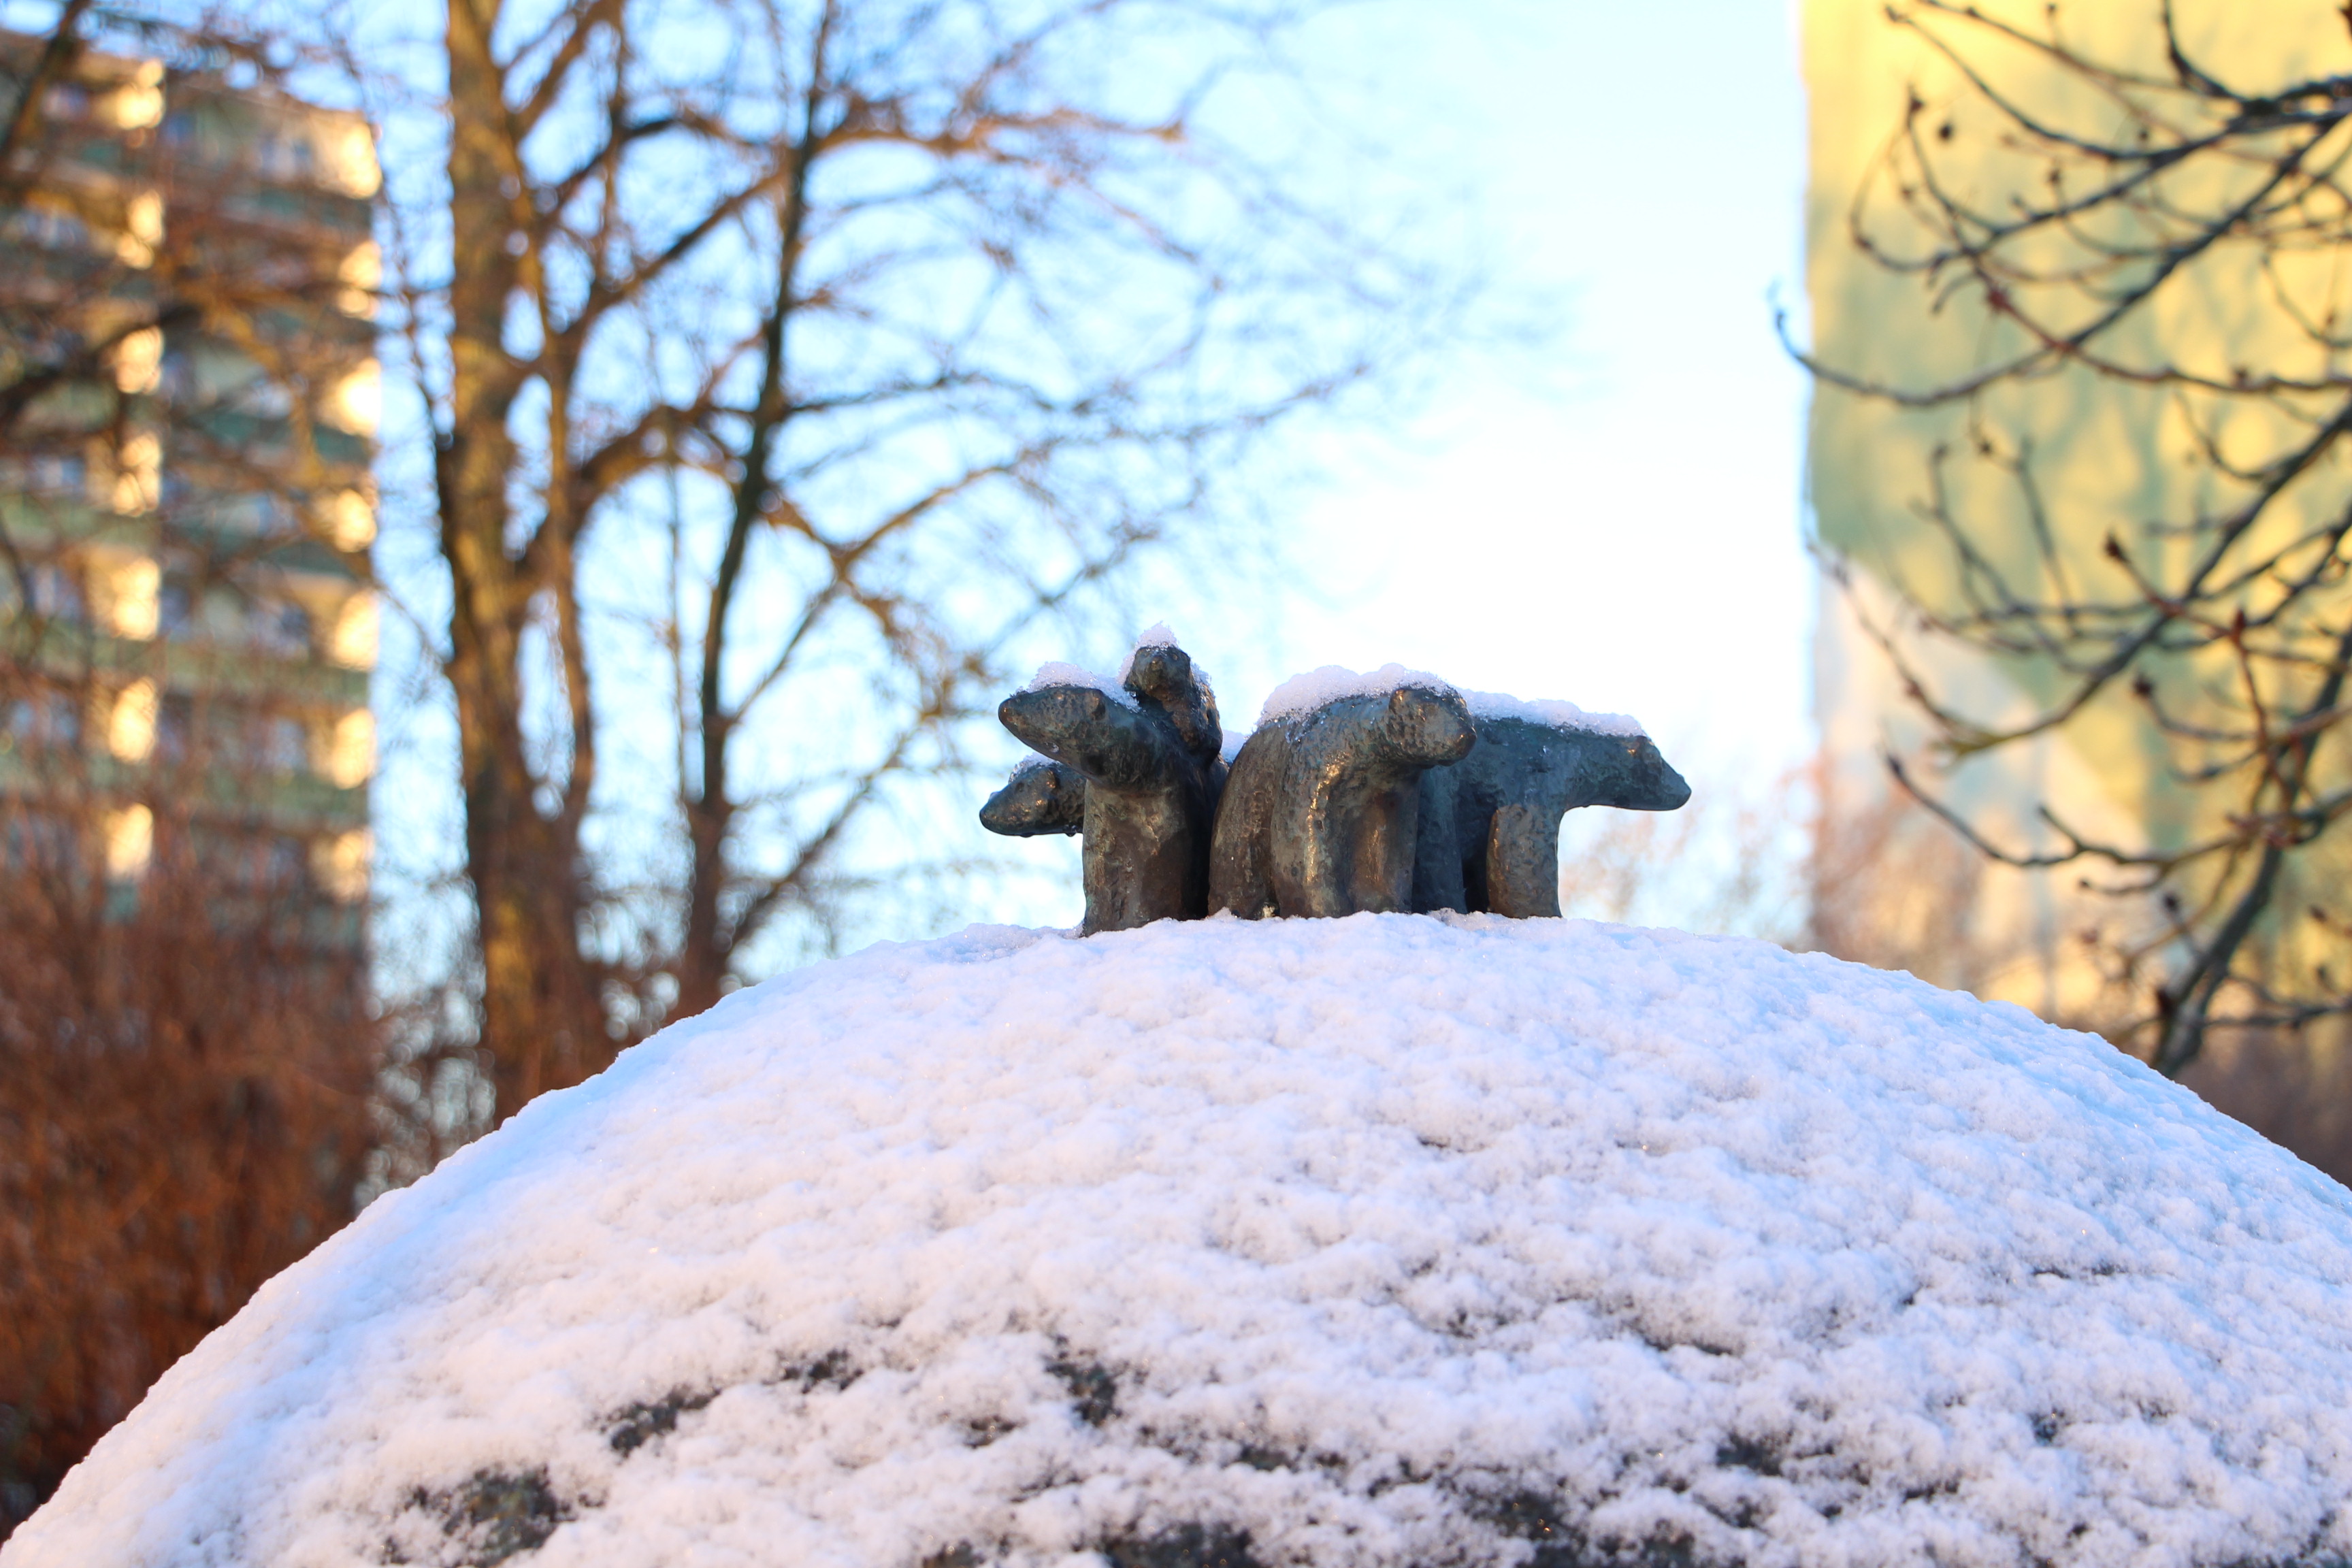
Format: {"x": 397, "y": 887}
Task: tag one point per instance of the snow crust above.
{"x": 1115, "y": 686}
{"x": 1385, "y": 1242}
{"x": 1304, "y": 693}
{"x": 1156, "y": 635}
{"x": 1059, "y": 674}
{"x": 1557, "y": 714}
{"x": 1029, "y": 763}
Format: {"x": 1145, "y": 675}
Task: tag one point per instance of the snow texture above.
{"x": 1385, "y": 1242}
{"x": 1557, "y": 715}
{"x": 1303, "y": 694}
{"x": 1114, "y": 686}
{"x": 1057, "y": 674}
{"x": 1029, "y": 763}
{"x": 1156, "y": 635}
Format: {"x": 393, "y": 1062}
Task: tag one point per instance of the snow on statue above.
{"x": 1389, "y": 1241}
{"x": 1383, "y": 792}
{"x": 1144, "y": 752}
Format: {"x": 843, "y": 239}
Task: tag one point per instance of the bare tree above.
{"x": 2138, "y": 227}
{"x": 103, "y": 295}
{"x": 786, "y": 365}
{"x": 186, "y": 1044}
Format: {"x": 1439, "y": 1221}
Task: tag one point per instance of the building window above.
{"x": 284, "y": 744}
{"x": 258, "y": 513}
{"x": 263, "y": 397}
{"x": 55, "y": 593}
{"x": 46, "y": 720}
{"x": 253, "y": 862}
{"x": 48, "y": 344}
{"x": 279, "y": 627}
{"x": 129, "y": 842}
{"x": 66, "y": 101}
{"x": 42, "y": 473}
{"x": 37, "y": 841}
{"x": 338, "y": 865}
{"x": 176, "y": 605}
{"x": 288, "y": 861}
{"x": 51, "y": 228}
{"x": 175, "y": 727}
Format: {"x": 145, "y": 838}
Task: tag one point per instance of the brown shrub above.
{"x": 184, "y": 1073}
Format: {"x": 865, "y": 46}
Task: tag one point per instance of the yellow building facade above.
{"x": 2042, "y": 471}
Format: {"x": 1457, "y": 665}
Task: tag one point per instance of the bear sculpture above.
{"x": 1490, "y": 825}
{"x": 1147, "y": 756}
{"x": 1040, "y": 796}
{"x": 1387, "y": 792}
{"x": 1321, "y": 812}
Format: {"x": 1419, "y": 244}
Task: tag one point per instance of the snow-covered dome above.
{"x": 1387, "y": 1242}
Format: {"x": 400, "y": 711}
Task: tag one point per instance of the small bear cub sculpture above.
{"x": 1490, "y": 824}
{"x": 1321, "y": 813}
{"x": 1145, "y": 758}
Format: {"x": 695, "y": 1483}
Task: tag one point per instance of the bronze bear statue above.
{"x": 1490, "y": 824}
{"x": 1148, "y": 759}
{"x": 1321, "y": 811}
{"x": 1389, "y": 798}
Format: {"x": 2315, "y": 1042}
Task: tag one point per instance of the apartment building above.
{"x": 188, "y": 405}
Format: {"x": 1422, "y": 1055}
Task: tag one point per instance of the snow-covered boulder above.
{"x": 1381, "y": 1241}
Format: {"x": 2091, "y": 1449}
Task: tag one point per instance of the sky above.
{"x": 1613, "y": 519}
{"x": 1627, "y": 537}
{"x": 1620, "y": 525}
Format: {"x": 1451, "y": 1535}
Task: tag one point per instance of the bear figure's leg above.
{"x": 1139, "y": 863}
{"x": 1436, "y": 848}
{"x": 1241, "y": 870}
{"x": 1380, "y": 873}
{"x": 1523, "y": 862}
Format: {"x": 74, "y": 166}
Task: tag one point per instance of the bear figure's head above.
{"x": 1112, "y": 743}
{"x": 1627, "y": 771}
{"x": 1040, "y": 797}
{"x": 1427, "y": 726}
{"x": 1164, "y": 676}
{"x": 1063, "y": 723}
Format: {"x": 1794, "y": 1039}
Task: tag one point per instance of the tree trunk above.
{"x": 540, "y": 1027}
